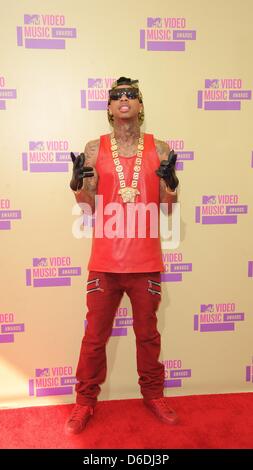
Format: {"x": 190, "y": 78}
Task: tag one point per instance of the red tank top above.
{"x": 131, "y": 249}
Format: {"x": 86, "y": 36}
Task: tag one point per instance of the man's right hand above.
{"x": 79, "y": 171}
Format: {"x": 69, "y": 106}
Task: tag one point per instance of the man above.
{"x": 125, "y": 169}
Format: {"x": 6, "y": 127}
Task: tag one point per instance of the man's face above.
{"x": 125, "y": 108}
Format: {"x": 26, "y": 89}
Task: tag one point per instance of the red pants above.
{"x": 104, "y": 293}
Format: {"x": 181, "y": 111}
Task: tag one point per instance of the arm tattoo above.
{"x": 91, "y": 152}
{"x": 162, "y": 149}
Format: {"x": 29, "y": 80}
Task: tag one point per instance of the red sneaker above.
{"x": 78, "y": 419}
{"x": 161, "y": 409}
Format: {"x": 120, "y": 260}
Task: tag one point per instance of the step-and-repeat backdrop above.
{"x": 194, "y": 64}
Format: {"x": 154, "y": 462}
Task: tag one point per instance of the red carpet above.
{"x": 206, "y": 421}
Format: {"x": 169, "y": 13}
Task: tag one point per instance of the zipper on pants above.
{"x": 152, "y": 284}
{"x": 96, "y": 281}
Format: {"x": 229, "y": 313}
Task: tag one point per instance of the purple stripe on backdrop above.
{"x": 200, "y": 99}
{"x": 184, "y": 35}
{"x": 52, "y": 282}
{"x": 2, "y": 104}
{"x": 185, "y": 155}
{"x": 119, "y": 332}
{"x": 28, "y": 277}
{"x": 180, "y": 267}
{"x": 48, "y": 167}
{"x": 233, "y": 317}
{"x": 168, "y": 277}
{"x": 63, "y": 156}
{"x": 240, "y": 95}
{"x": 74, "y": 271}
{"x": 5, "y": 225}
{"x": 19, "y": 36}
{"x": 222, "y": 105}
{"x": 12, "y": 214}
{"x": 180, "y": 373}
{"x": 10, "y": 327}
{"x": 242, "y": 209}
{"x": 8, "y": 94}
{"x": 217, "y": 327}
{"x": 24, "y": 161}
{"x": 45, "y": 392}
{"x": 68, "y": 380}
{"x": 124, "y": 321}
{"x": 45, "y": 43}
{"x": 179, "y": 166}
{"x": 31, "y": 387}
{"x": 173, "y": 383}
{"x": 219, "y": 219}
{"x": 196, "y": 322}
{"x": 67, "y": 33}
{"x": 7, "y": 338}
{"x": 248, "y": 368}
{"x": 197, "y": 214}
{"x": 142, "y": 38}
{"x": 252, "y": 159}
{"x": 83, "y": 98}
{"x": 250, "y": 269}
{"x": 165, "y": 46}
{"x": 97, "y": 105}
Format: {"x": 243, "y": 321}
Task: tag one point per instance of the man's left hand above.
{"x": 167, "y": 171}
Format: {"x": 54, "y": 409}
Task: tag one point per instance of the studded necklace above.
{"x": 128, "y": 193}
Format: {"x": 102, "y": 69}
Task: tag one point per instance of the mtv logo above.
{"x": 39, "y": 261}
{"x": 212, "y": 83}
{"x": 207, "y": 308}
{"x": 208, "y": 200}
{"x": 95, "y": 82}
{"x": 154, "y": 22}
{"x": 42, "y": 372}
{"x": 39, "y": 145}
{"x": 32, "y": 19}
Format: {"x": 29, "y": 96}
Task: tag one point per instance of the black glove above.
{"x": 167, "y": 171}
{"x": 79, "y": 171}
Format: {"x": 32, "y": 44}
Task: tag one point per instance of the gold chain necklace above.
{"x": 128, "y": 193}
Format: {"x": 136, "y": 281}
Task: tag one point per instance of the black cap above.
{"x": 125, "y": 81}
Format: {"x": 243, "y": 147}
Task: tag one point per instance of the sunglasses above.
{"x": 131, "y": 93}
